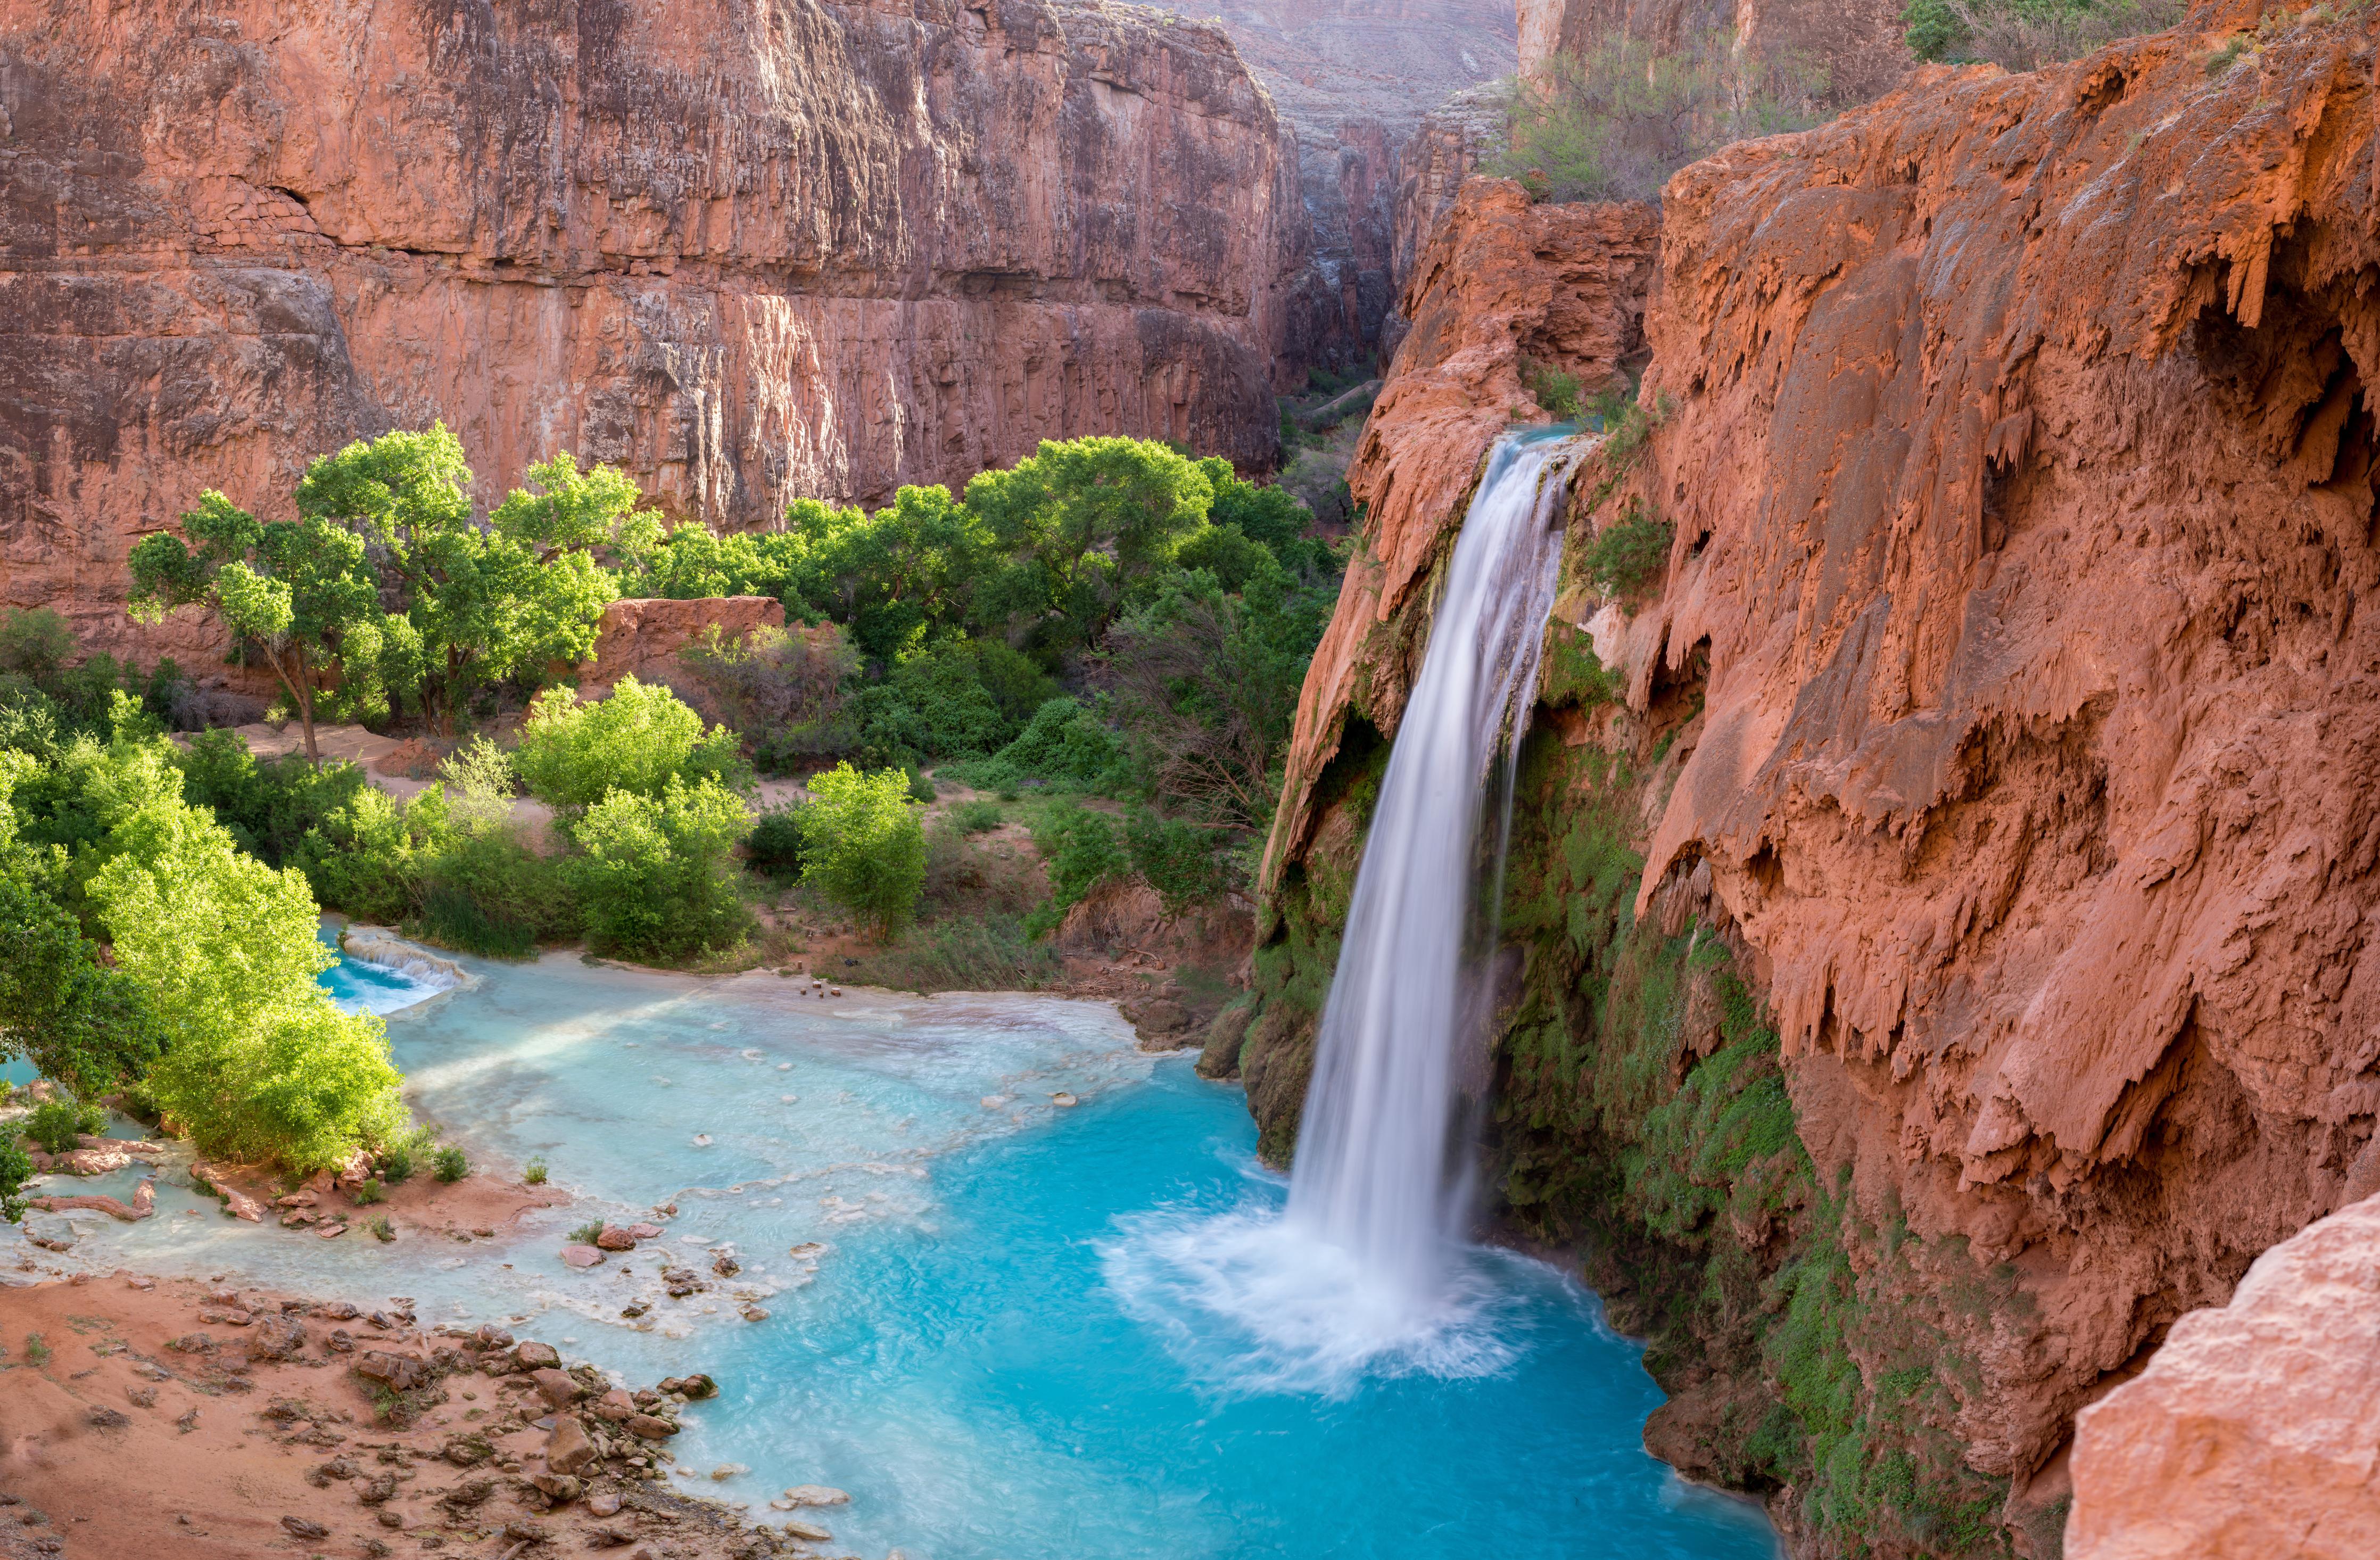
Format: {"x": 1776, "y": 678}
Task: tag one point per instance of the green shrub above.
{"x": 381, "y": 1228}
{"x": 656, "y": 877}
{"x": 1187, "y": 864}
{"x": 864, "y": 848}
{"x": 262, "y": 1064}
{"x": 573, "y": 752}
{"x": 1079, "y": 848}
{"x": 921, "y": 788}
{"x": 585, "y": 1233}
{"x": 449, "y": 1165}
{"x": 1065, "y": 744}
{"x": 2022, "y": 35}
{"x": 1628, "y": 554}
{"x": 396, "y": 1158}
{"x": 1555, "y": 390}
{"x": 16, "y": 1169}
{"x": 977, "y": 817}
{"x": 533, "y": 1173}
{"x": 781, "y": 688}
{"x": 974, "y": 953}
{"x": 372, "y": 1191}
{"x": 56, "y": 1124}
{"x": 774, "y": 846}
{"x": 1613, "y": 121}
{"x": 37, "y": 1350}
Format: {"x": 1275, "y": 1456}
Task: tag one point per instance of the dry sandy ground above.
{"x": 146, "y": 1420}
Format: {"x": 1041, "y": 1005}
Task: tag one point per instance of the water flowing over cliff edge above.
{"x": 1939, "y": 941}
{"x": 745, "y": 254}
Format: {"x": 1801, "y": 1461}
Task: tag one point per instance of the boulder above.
{"x": 398, "y": 1372}
{"x": 533, "y": 1356}
{"x": 645, "y": 1231}
{"x": 604, "y": 1504}
{"x": 300, "y": 1528}
{"x": 567, "y": 1448}
{"x": 615, "y": 1406}
{"x": 2256, "y": 1430}
{"x": 582, "y": 1256}
{"x": 807, "y": 1530}
{"x": 817, "y": 1495}
{"x": 559, "y": 1388}
{"x": 616, "y": 1237}
{"x": 277, "y": 1337}
{"x": 649, "y": 1427}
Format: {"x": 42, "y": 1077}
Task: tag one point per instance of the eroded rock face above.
{"x": 2022, "y": 470}
{"x": 2256, "y": 1430}
{"x": 1501, "y": 278}
{"x": 640, "y": 636}
{"x": 745, "y": 253}
{"x": 2005, "y": 707}
{"x": 1857, "y": 44}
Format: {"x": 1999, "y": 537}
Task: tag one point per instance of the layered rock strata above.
{"x": 1942, "y": 923}
{"x": 745, "y": 253}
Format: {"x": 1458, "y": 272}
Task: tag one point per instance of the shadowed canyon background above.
{"x": 1940, "y": 934}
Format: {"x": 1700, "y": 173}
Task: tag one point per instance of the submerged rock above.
{"x": 817, "y": 1495}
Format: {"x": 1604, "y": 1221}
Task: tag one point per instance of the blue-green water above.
{"x": 1031, "y": 1332}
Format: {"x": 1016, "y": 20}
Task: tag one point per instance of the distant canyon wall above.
{"x": 1984, "y": 767}
{"x": 745, "y": 252}
{"x": 1357, "y": 81}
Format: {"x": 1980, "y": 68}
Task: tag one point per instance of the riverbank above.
{"x": 175, "y": 1417}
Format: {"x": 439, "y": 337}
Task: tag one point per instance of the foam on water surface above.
{"x": 1011, "y": 1342}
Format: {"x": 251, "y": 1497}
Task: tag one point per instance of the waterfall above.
{"x": 1366, "y": 1272}
{"x": 1381, "y": 1166}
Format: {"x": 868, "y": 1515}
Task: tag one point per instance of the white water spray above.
{"x": 1366, "y": 1272}
{"x": 1380, "y": 1167}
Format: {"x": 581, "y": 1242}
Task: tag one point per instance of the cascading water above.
{"x": 1378, "y": 1173}
{"x": 1365, "y": 1272}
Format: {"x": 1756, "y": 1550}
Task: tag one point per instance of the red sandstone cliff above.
{"x": 2015, "y": 698}
{"x": 745, "y": 253}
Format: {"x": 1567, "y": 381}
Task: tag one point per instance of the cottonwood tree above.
{"x": 481, "y": 601}
{"x": 296, "y": 593}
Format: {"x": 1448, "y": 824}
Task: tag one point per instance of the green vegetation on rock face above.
{"x": 2028, "y": 34}
{"x": 1641, "y": 1112}
{"x": 1615, "y": 120}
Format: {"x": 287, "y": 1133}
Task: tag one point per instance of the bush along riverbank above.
{"x": 261, "y": 1421}
{"x": 1099, "y": 649}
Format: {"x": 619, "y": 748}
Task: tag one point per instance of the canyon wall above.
{"x": 746, "y": 252}
{"x": 1357, "y": 79}
{"x": 1942, "y": 940}
{"x": 1853, "y": 48}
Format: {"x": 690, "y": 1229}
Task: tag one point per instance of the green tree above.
{"x": 259, "y": 1063}
{"x": 864, "y": 847}
{"x": 481, "y": 602}
{"x": 78, "y": 1022}
{"x": 296, "y": 593}
{"x": 1079, "y": 525}
{"x": 656, "y": 876}
{"x": 892, "y": 576}
{"x": 573, "y": 751}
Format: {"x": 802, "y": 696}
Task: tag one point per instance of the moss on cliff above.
{"x": 1642, "y": 1112}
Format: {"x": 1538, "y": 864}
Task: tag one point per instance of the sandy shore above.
{"x": 142, "y": 1420}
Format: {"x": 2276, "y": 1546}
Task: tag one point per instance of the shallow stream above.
{"x": 1028, "y": 1332}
